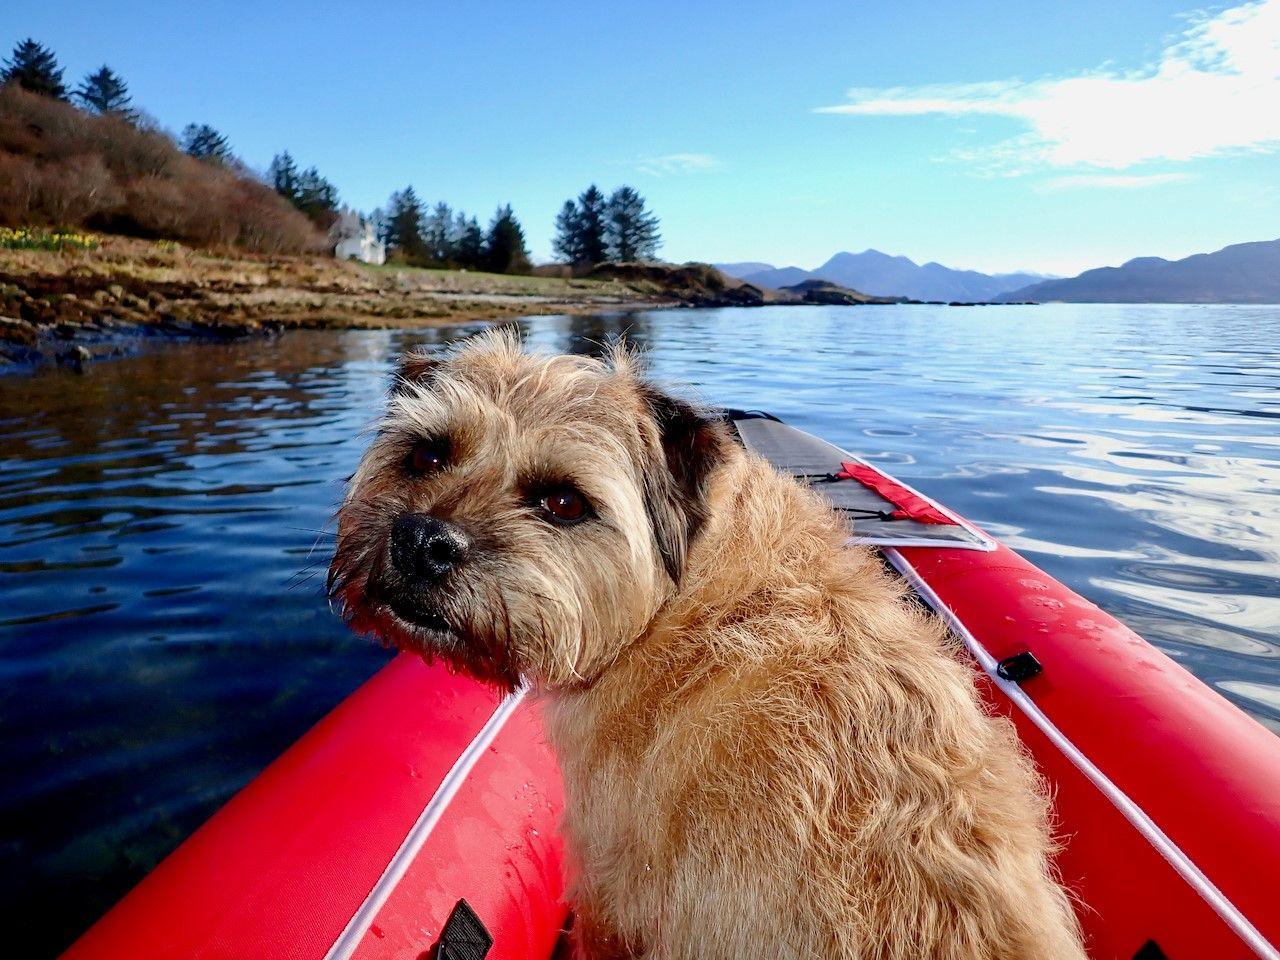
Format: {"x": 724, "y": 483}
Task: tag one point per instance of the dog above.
{"x": 768, "y": 749}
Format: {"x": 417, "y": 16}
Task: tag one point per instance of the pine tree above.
{"x": 470, "y": 250}
{"x": 632, "y": 230}
{"x": 33, "y": 67}
{"x": 317, "y": 198}
{"x": 505, "y": 251}
{"x": 593, "y": 215}
{"x": 283, "y": 176}
{"x": 437, "y": 233}
{"x": 103, "y": 92}
{"x": 567, "y": 245}
{"x": 581, "y": 228}
{"x": 402, "y": 226}
{"x": 205, "y": 143}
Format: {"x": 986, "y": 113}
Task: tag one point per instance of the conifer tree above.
{"x": 567, "y": 245}
{"x": 283, "y": 176}
{"x": 317, "y": 198}
{"x": 632, "y": 230}
{"x": 205, "y": 143}
{"x": 592, "y": 225}
{"x": 402, "y": 226}
{"x": 505, "y": 251}
{"x": 437, "y": 233}
{"x": 103, "y": 92}
{"x": 470, "y": 250}
{"x": 33, "y": 67}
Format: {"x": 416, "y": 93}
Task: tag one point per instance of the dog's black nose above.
{"x": 424, "y": 547}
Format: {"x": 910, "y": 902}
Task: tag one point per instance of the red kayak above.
{"x": 419, "y": 819}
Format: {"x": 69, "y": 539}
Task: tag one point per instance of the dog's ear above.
{"x": 413, "y": 367}
{"x": 693, "y": 444}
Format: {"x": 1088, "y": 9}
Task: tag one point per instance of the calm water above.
{"x": 162, "y": 637}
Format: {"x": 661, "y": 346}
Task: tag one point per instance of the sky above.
{"x": 989, "y": 135}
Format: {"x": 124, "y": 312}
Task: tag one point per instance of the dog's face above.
{"x": 522, "y": 516}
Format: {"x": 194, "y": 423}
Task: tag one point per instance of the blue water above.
{"x": 162, "y": 527}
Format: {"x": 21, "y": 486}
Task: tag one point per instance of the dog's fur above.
{"x": 768, "y": 749}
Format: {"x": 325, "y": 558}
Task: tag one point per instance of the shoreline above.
{"x": 71, "y": 307}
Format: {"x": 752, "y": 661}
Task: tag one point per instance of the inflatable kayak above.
{"x": 419, "y": 818}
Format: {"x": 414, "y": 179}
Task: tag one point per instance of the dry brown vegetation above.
{"x": 63, "y": 167}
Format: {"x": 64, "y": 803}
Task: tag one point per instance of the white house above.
{"x": 356, "y": 239}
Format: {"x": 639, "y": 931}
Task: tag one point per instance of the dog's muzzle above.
{"x": 426, "y": 549}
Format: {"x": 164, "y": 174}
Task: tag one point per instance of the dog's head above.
{"x": 520, "y": 515}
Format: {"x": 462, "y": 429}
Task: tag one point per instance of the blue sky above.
{"x": 991, "y": 135}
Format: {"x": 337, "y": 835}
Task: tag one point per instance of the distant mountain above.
{"x": 775, "y": 278}
{"x": 740, "y": 270}
{"x": 1241, "y": 273}
{"x": 880, "y": 274}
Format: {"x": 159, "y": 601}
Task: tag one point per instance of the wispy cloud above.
{"x": 677, "y": 163}
{"x": 1213, "y": 90}
{"x": 1114, "y": 181}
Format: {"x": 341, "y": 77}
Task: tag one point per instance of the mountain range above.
{"x": 880, "y": 274}
{"x": 1241, "y": 273}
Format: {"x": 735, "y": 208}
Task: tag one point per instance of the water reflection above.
{"x": 162, "y": 637}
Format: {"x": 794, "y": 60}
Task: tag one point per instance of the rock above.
{"x": 17, "y": 331}
{"x": 117, "y": 292}
{"x": 74, "y": 358}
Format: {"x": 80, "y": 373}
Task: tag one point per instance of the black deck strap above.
{"x": 1021, "y": 666}
{"x": 731, "y": 414}
{"x": 463, "y": 937}
{"x": 1150, "y": 951}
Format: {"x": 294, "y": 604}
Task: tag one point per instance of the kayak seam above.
{"x": 1182, "y": 864}
{"x": 360, "y": 922}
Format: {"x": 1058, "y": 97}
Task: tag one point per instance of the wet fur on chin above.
{"x": 767, "y": 748}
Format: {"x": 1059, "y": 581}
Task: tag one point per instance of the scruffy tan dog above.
{"x": 768, "y": 750}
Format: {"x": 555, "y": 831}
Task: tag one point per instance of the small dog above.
{"x": 767, "y": 749}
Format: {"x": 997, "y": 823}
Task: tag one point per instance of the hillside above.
{"x": 880, "y": 274}
{"x": 64, "y": 167}
{"x": 1241, "y": 273}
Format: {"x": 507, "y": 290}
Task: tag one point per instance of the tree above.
{"x": 316, "y": 197}
{"x": 402, "y": 224}
{"x": 505, "y": 251}
{"x": 33, "y": 67}
{"x": 567, "y": 245}
{"x": 632, "y": 230}
{"x": 437, "y": 233}
{"x": 205, "y": 143}
{"x": 592, "y": 225}
{"x": 283, "y": 176}
{"x": 470, "y": 251}
{"x": 581, "y": 228}
{"x": 104, "y": 92}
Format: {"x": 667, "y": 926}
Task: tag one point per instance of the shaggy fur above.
{"x": 768, "y": 750}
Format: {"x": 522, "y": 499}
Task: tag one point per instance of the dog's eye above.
{"x": 565, "y": 506}
{"x": 428, "y": 456}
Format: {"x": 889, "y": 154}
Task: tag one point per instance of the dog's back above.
{"x": 793, "y": 763}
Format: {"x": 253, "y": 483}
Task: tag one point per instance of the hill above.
{"x": 64, "y": 167}
{"x": 880, "y": 274}
{"x": 1241, "y": 273}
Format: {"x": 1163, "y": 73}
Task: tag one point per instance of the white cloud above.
{"x": 675, "y": 163}
{"x": 1113, "y": 180}
{"x": 1215, "y": 89}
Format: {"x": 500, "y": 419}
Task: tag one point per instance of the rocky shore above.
{"x": 69, "y": 307}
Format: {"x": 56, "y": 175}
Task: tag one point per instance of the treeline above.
{"x": 89, "y": 157}
{"x": 593, "y": 229}
{"x": 439, "y": 237}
